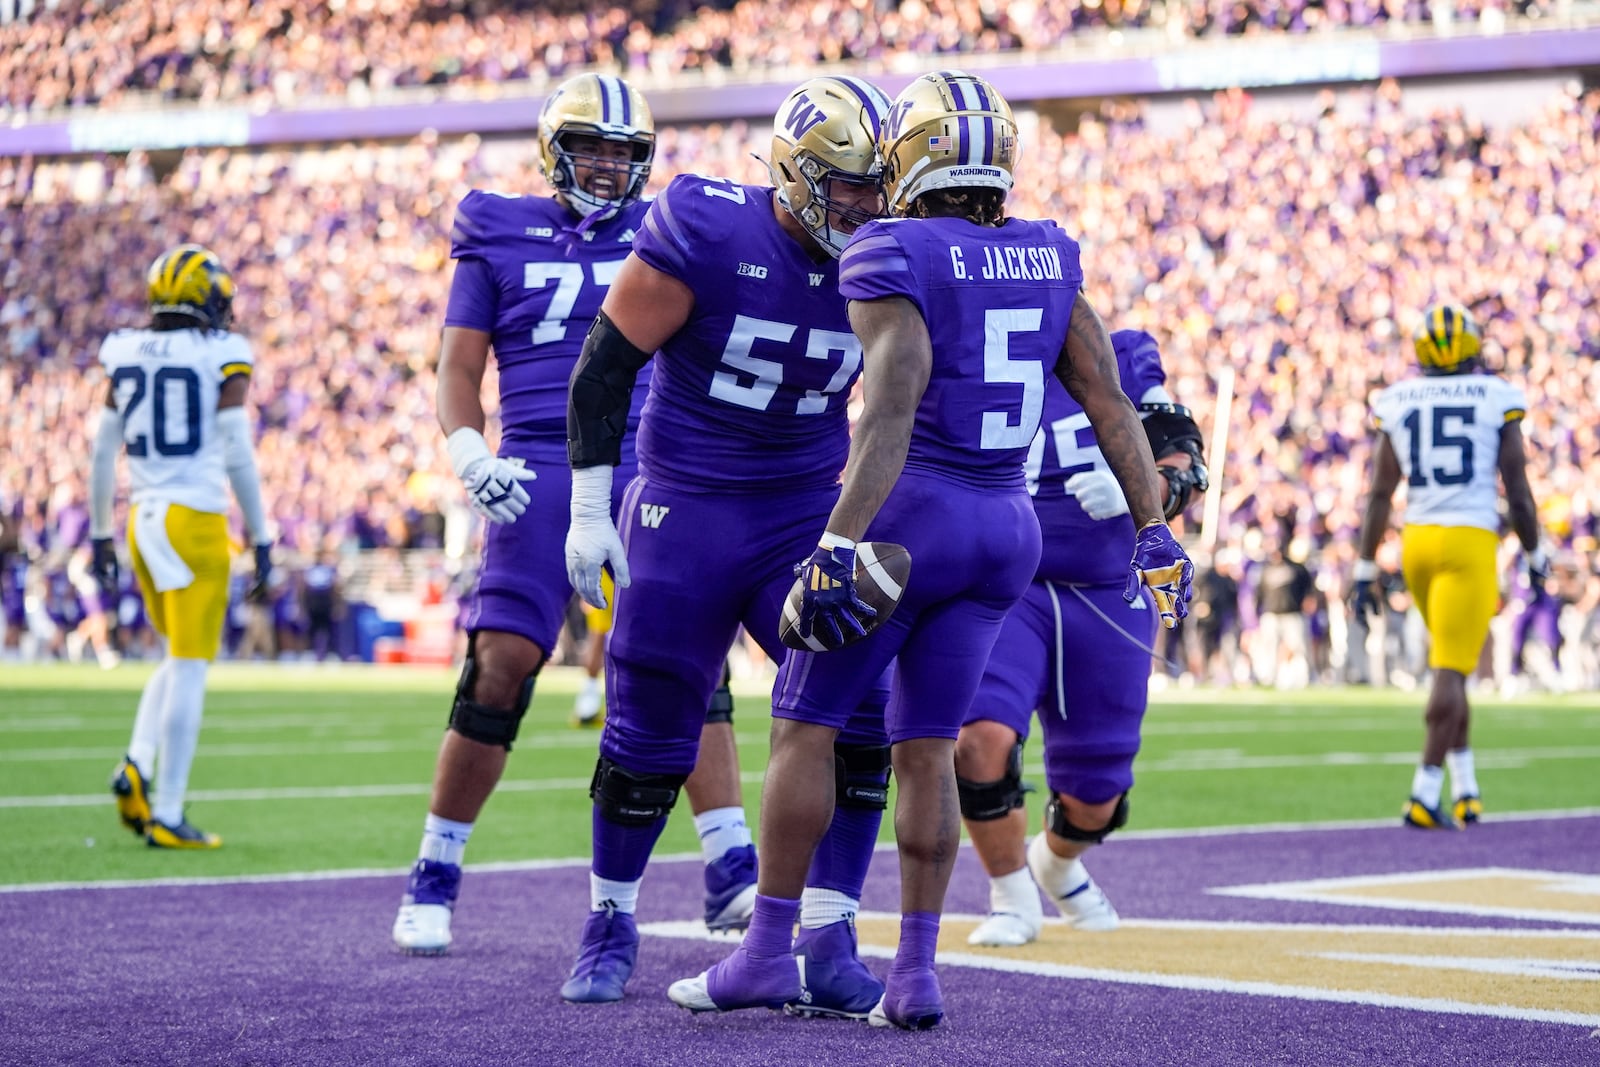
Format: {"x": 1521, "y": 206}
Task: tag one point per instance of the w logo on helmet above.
{"x": 802, "y": 117}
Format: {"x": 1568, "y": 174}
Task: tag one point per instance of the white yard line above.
{"x": 582, "y": 862}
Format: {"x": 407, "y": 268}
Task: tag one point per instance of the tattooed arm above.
{"x": 1088, "y": 368}
{"x": 897, "y": 358}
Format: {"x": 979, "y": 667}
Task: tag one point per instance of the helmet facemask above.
{"x": 627, "y": 177}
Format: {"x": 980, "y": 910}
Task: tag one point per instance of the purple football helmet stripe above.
{"x": 988, "y": 141}
{"x": 983, "y": 96}
{"x": 964, "y": 132}
{"x": 875, "y": 119}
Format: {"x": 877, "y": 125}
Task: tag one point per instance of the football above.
{"x": 881, "y": 572}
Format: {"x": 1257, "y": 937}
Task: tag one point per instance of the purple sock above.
{"x": 845, "y": 852}
{"x": 919, "y": 940}
{"x": 621, "y": 852}
{"x": 771, "y": 930}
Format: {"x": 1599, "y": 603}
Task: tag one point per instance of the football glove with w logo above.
{"x": 1159, "y": 562}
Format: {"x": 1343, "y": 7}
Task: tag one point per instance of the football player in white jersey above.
{"x": 1447, "y": 433}
{"x": 176, "y": 405}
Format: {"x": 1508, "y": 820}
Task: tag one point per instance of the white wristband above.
{"x": 591, "y": 493}
{"x": 831, "y": 541}
{"x": 1365, "y": 570}
{"x": 466, "y": 446}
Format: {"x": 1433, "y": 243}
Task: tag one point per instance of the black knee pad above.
{"x": 1056, "y": 818}
{"x": 485, "y": 723}
{"x": 987, "y": 801}
{"x": 861, "y": 776}
{"x": 721, "y": 707}
{"x": 630, "y": 799}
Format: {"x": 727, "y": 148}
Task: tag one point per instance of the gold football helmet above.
{"x": 1448, "y": 341}
{"x": 946, "y": 130}
{"x": 825, "y": 157}
{"x": 606, "y": 107}
{"x": 191, "y": 280}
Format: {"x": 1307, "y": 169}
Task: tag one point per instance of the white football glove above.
{"x": 1099, "y": 494}
{"x": 493, "y": 484}
{"x": 592, "y": 539}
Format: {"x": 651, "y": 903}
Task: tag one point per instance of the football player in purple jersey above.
{"x": 530, "y": 274}
{"x": 962, "y": 314}
{"x": 732, "y": 294}
{"x": 1073, "y": 612}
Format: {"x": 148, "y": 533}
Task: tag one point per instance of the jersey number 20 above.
{"x": 186, "y": 394}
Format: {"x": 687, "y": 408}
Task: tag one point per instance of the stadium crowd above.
{"x": 74, "y": 53}
{"x": 1287, "y": 256}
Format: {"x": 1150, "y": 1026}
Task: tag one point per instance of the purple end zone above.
{"x": 303, "y": 973}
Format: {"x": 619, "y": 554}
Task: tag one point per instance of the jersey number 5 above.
{"x": 187, "y": 395}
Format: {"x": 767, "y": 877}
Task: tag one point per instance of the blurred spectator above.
{"x": 1295, "y": 251}
{"x": 77, "y": 53}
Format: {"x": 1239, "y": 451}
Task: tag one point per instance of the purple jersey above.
{"x": 983, "y": 402}
{"x": 750, "y": 394}
{"x": 1077, "y": 548}
{"x": 535, "y": 289}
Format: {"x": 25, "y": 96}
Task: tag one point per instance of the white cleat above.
{"x": 1083, "y": 904}
{"x": 1002, "y": 929}
{"x": 422, "y": 929}
{"x": 692, "y": 993}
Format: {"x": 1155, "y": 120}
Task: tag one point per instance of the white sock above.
{"x": 1463, "y": 773}
{"x": 1427, "y": 784}
{"x": 591, "y": 687}
{"x": 620, "y": 896}
{"x": 147, "y": 722}
{"x": 721, "y": 829}
{"x": 1015, "y": 894}
{"x": 1058, "y": 877}
{"x": 443, "y": 840}
{"x": 180, "y": 735}
{"x": 824, "y": 907}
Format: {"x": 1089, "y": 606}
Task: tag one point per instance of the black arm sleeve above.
{"x": 1171, "y": 429}
{"x": 600, "y": 393}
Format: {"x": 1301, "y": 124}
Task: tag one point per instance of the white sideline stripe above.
{"x": 1563, "y": 970}
{"x": 328, "y": 746}
{"x": 695, "y": 857}
{"x": 695, "y": 931}
{"x": 313, "y": 792}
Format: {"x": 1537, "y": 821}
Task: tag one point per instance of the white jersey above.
{"x": 1446, "y": 432}
{"x": 166, "y": 383}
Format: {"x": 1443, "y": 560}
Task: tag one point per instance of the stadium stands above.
{"x": 1289, "y": 250}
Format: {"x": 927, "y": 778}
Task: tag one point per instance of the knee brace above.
{"x": 987, "y": 801}
{"x": 861, "y": 776}
{"x": 721, "y": 707}
{"x": 485, "y": 723}
{"x": 633, "y": 799}
{"x": 1055, "y": 815}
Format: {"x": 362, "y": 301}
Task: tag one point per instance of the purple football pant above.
{"x": 1080, "y": 654}
{"x": 973, "y": 553}
{"x": 702, "y": 564}
{"x": 522, "y": 584}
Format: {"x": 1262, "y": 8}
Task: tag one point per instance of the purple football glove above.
{"x": 829, "y": 601}
{"x": 1159, "y": 562}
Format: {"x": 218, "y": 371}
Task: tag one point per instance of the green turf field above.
{"x": 305, "y": 768}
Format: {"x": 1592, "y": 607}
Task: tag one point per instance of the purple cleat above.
{"x": 605, "y": 959}
{"x": 740, "y": 981}
{"x": 834, "y": 982}
{"x": 731, "y": 889}
{"x": 911, "y": 1001}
